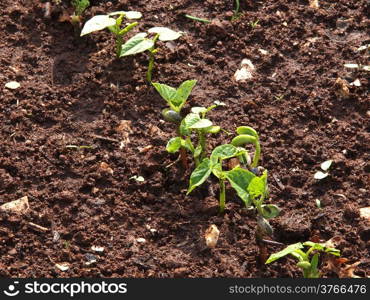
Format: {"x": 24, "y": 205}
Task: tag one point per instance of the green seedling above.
{"x": 115, "y": 26}
{"x": 176, "y": 99}
{"x": 162, "y": 34}
{"x": 197, "y": 19}
{"x": 236, "y": 14}
{"x": 247, "y": 135}
{"x": 79, "y": 7}
{"x": 254, "y": 24}
{"x": 251, "y": 188}
{"x": 213, "y": 165}
{"x": 253, "y": 191}
{"x": 141, "y": 43}
{"x": 194, "y": 122}
{"x": 325, "y": 167}
{"x": 279, "y": 97}
{"x": 307, "y": 261}
{"x": 67, "y": 244}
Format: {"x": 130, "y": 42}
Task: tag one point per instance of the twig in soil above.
{"x": 100, "y": 137}
{"x": 47, "y": 10}
{"x": 281, "y": 186}
{"x": 197, "y": 19}
{"x": 173, "y": 163}
{"x": 272, "y": 242}
{"x": 38, "y": 227}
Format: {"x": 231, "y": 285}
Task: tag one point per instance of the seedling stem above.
{"x": 152, "y": 52}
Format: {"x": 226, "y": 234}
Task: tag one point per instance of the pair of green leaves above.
{"x": 175, "y": 98}
{"x": 307, "y": 264}
{"x": 252, "y": 189}
{"x": 139, "y": 42}
{"x": 194, "y": 121}
{"x": 212, "y": 165}
{"x": 101, "y": 22}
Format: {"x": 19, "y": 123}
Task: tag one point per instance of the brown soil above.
{"x": 74, "y": 92}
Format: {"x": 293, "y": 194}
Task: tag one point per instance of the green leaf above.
{"x": 128, "y": 14}
{"x": 217, "y": 170}
{"x": 223, "y": 152}
{"x": 243, "y": 139}
{"x": 333, "y": 251}
{"x": 137, "y": 44}
{"x": 175, "y": 98}
{"x": 188, "y": 144}
{"x": 199, "y": 175}
{"x": 304, "y": 265}
{"x": 187, "y": 122}
{"x": 167, "y": 92}
{"x": 316, "y": 246}
{"x": 173, "y": 145}
{"x": 270, "y": 211}
{"x": 198, "y": 151}
{"x": 198, "y": 109}
{"x": 247, "y": 130}
{"x": 183, "y": 92}
{"x": 239, "y": 179}
{"x": 165, "y": 34}
{"x": 315, "y": 262}
{"x": 201, "y": 124}
{"x": 284, "y": 252}
{"x": 258, "y": 186}
{"x": 97, "y": 23}
{"x": 213, "y": 129}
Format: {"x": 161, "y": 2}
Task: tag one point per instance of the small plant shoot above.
{"x": 307, "y": 261}
{"x": 74, "y": 15}
{"x": 114, "y": 25}
{"x": 176, "y": 99}
{"x": 141, "y": 43}
{"x": 195, "y": 122}
{"x": 236, "y": 14}
{"x": 197, "y": 19}
{"x": 247, "y": 135}
{"x": 162, "y": 34}
{"x": 79, "y": 7}
{"x": 251, "y": 188}
{"x": 324, "y": 167}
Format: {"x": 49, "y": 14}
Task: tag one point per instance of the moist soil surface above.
{"x": 74, "y": 92}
